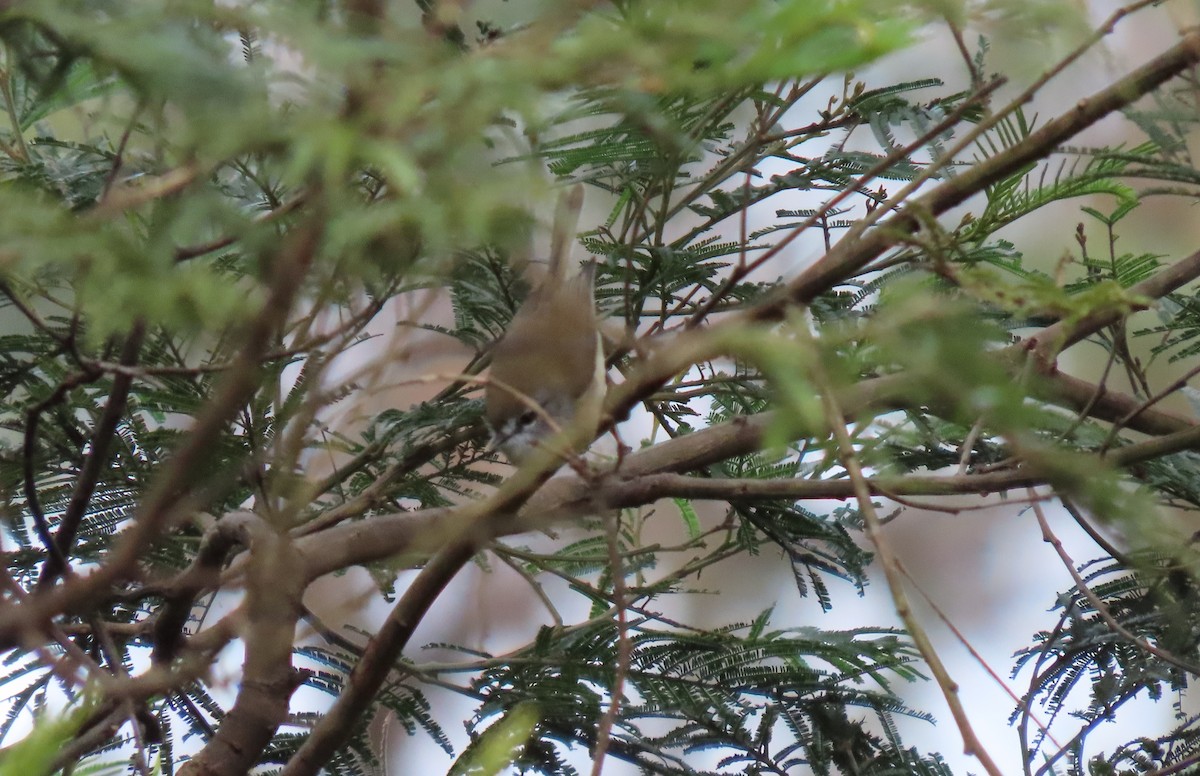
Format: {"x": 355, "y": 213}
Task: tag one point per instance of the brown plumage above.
{"x": 551, "y": 353}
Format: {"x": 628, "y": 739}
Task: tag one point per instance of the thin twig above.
{"x": 539, "y": 591}
{"x": 30, "y": 314}
{"x": 1147, "y": 404}
{"x": 1099, "y": 606}
{"x": 21, "y": 151}
{"x": 144, "y": 190}
{"x": 972, "y": 746}
{"x": 962, "y": 639}
{"x": 968, "y": 446}
{"x": 1099, "y": 538}
{"x": 192, "y": 251}
{"x": 894, "y": 156}
{"x": 173, "y": 491}
{"x": 624, "y": 647}
{"x": 115, "y": 658}
{"x": 119, "y": 155}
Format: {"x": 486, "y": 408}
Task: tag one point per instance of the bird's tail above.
{"x": 566, "y": 221}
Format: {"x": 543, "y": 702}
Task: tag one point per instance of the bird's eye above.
{"x": 527, "y": 418}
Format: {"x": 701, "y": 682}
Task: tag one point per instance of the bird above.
{"x": 547, "y": 379}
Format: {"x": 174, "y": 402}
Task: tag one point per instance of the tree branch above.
{"x": 1100, "y": 608}
{"x": 476, "y": 524}
{"x": 891, "y": 569}
{"x": 863, "y": 244}
{"x": 1054, "y": 339}
{"x": 276, "y": 582}
{"x": 173, "y": 487}
{"x": 850, "y": 254}
{"x": 97, "y": 458}
{"x": 378, "y": 660}
{"x": 203, "y": 573}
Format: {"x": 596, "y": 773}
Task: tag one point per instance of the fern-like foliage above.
{"x": 254, "y": 259}
{"x": 779, "y": 700}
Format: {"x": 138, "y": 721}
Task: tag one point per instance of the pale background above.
{"x": 987, "y": 569}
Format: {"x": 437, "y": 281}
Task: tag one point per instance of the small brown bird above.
{"x": 548, "y": 370}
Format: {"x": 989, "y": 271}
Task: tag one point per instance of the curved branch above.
{"x": 203, "y": 574}
{"x": 643, "y": 476}
{"x": 378, "y": 659}
{"x": 851, "y": 255}
{"x": 276, "y": 582}
{"x": 1058, "y": 337}
{"x": 864, "y": 244}
{"x": 476, "y": 524}
{"x": 172, "y": 491}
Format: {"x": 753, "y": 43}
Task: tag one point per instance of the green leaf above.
{"x": 500, "y": 744}
{"x": 82, "y": 83}
{"x": 34, "y": 754}
{"x": 690, "y": 519}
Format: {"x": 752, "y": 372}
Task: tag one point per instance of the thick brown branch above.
{"x": 173, "y": 488}
{"x": 1187, "y": 439}
{"x": 478, "y": 523}
{"x": 378, "y": 660}
{"x": 643, "y": 490}
{"x": 861, "y": 246}
{"x": 1111, "y": 406}
{"x": 201, "y": 575}
{"x": 33, "y": 418}
{"x": 276, "y": 582}
{"x": 1052, "y": 340}
{"x": 568, "y": 496}
{"x": 859, "y": 185}
{"x": 851, "y": 255}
